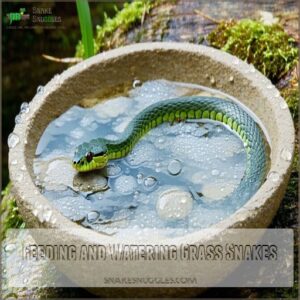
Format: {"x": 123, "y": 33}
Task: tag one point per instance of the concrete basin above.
{"x": 172, "y": 61}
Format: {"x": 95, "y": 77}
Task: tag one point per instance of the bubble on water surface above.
{"x": 92, "y": 216}
{"x": 174, "y": 204}
{"x": 13, "y": 140}
{"x": 125, "y": 184}
{"x": 174, "y": 167}
{"x": 142, "y": 152}
{"x": 73, "y": 207}
{"x": 150, "y": 182}
{"x": 113, "y": 169}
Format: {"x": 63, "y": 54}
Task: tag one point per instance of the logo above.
{"x": 17, "y": 16}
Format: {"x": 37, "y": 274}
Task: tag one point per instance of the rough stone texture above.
{"x": 172, "y": 61}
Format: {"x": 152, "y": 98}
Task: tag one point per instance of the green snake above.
{"x": 96, "y": 153}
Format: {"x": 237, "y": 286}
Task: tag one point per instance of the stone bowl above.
{"x": 117, "y": 68}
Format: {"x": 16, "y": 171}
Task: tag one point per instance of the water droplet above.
{"x": 174, "y": 167}
{"x": 252, "y": 69}
{"x": 277, "y": 94}
{"x": 231, "y": 79}
{"x": 136, "y": 83}
{"x": 40, "y": 90}
{"x": 139, "y": 178}
{"x": 9, "y": 247}
{"x": 215, "y": 172}
{"x": 212, "y": 80}
{"x": 25, "y": 280}
{"x": 56, "y": 77}
{"x": 286, "y": 154}
{"x": 18, "y": 119}
{"x": 283, "y": 105}
{"x": 13, "y": 140}
{"x": 150, "y": 181}
{"x": 14, "y": 162}
{"x": 92, "y": 216}
{"x": 19, "y": 177}
{"x": 274, "y": 176}
{"x": 236, "y": 61}
{"x": 47, "y": 214}
{"x": 136, "y": 194}
{"x": 24, "y": 109}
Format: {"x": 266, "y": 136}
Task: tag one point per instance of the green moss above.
{"x": 131, "y": 14}
{"x": 10, "y": 217}
{"x": 267, "y": 47}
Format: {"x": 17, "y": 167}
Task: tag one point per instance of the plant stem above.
{"x": 86, "y": 28}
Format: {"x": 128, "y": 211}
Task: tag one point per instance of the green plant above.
{"x": 267, "y": 47}
{"x": 10, "y": 217}
{"x": 86, "y": 28}
{"x": 130, "y": 14}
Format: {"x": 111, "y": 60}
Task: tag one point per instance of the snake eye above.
{"x": 89, "y": 156}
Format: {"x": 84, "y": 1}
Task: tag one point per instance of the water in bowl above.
{"x": 173, "y": 182}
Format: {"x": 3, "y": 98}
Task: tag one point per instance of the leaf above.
{"x": 86, "y": 28}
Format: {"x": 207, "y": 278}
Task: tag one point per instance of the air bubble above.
{"x": 92, "y": 216}
{"x": 125, "y": 184}
{"x": 231, "y": 79}
{"x": 139, "y": 178}
{"x": 286, "y": 154}
{"x": 13, "y": 140}
{"x": 150, "y": 181}
{"x": 174, "y": 167}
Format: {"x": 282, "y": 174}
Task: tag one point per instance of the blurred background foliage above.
{"x": 24, "y": 68}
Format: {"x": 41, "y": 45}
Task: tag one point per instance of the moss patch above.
{"x": 10, "y": 217}
{"x": 267, "y": 47}
{"x": 131, "y": 14}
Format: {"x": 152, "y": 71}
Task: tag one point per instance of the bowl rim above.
{"x": 28, "y": 195}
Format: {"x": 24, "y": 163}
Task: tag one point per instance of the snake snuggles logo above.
{"x": 17, "y": 16}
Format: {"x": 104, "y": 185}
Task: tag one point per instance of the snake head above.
{"x": 90, "y": 156}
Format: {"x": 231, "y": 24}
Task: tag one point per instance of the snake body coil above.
{"x": 96, "y": 153}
